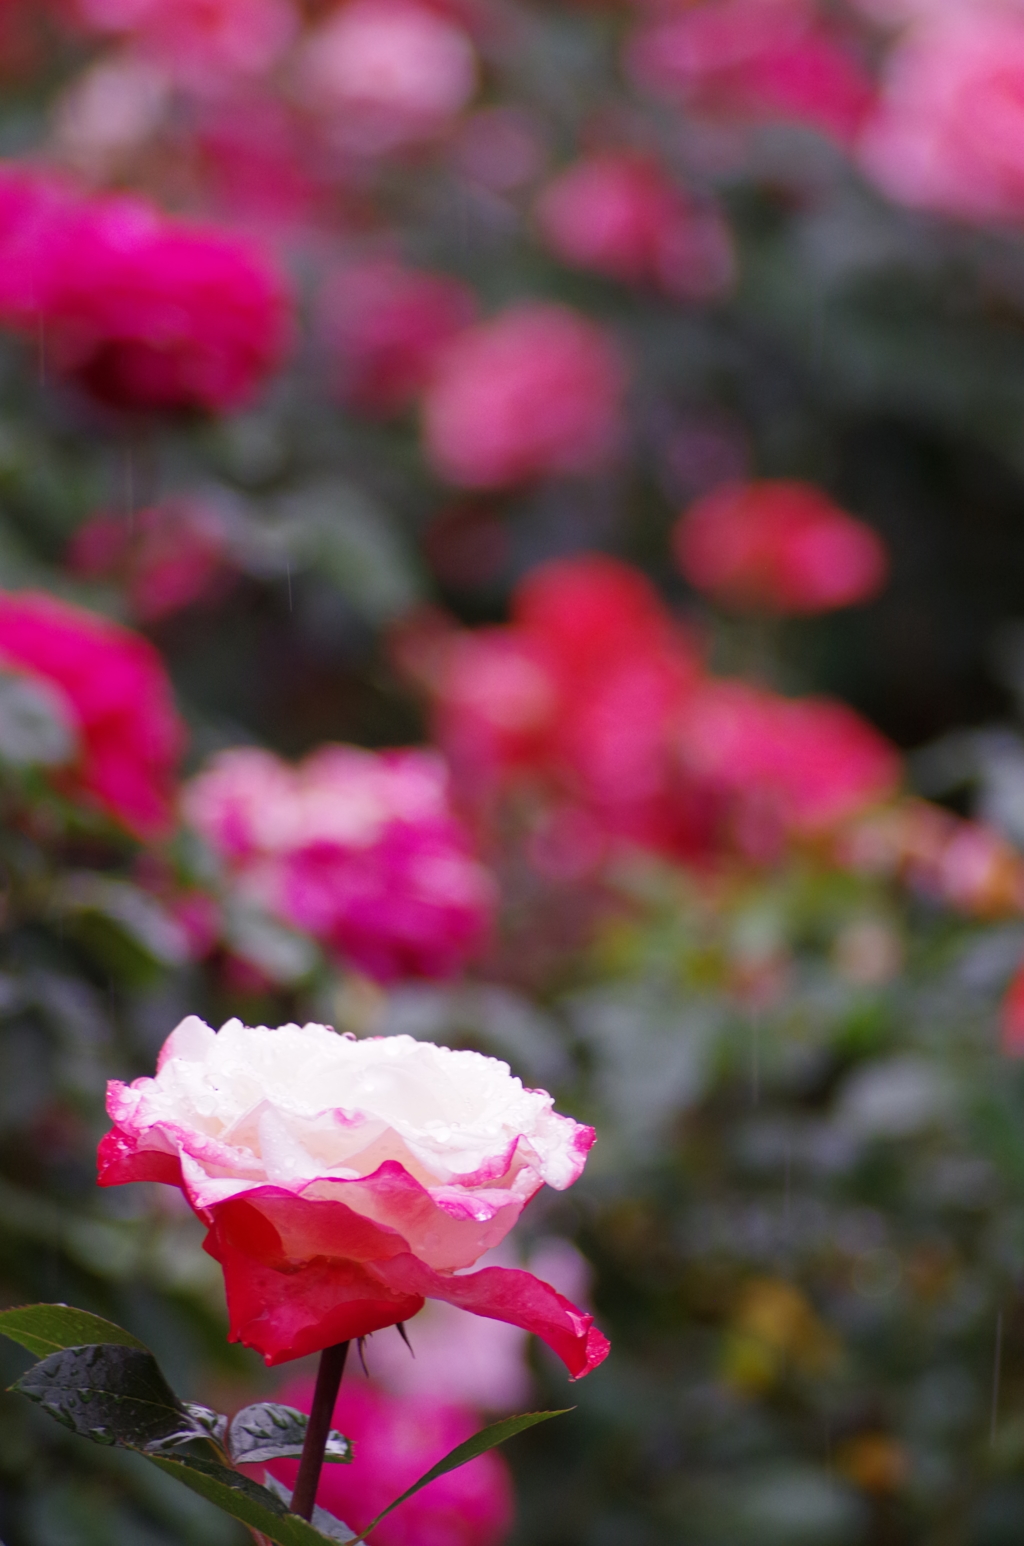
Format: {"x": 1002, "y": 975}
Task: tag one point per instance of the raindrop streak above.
{"x": 996, "y": 1368}
{"x": 288, "y": 572}
{"x": 755, "y": 1059}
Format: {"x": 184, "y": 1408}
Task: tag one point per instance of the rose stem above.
{"x": 328, "y": 1383}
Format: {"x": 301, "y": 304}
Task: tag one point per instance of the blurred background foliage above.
{"x": 805, "y": 1214}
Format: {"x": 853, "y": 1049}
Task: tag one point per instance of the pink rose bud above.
{"x": 395, "y": 1440}
{"x": 779, "y": 546}
{"x": 385, "y": 326}
{"x": 117, "y": 697}
{"x": 344, "y": 1182}
{"x": 383, "y": 73}
{"x": 944, "y": 135}
{"x": 620, "y": 215}
{"x": 534, "y": 392}
{"x": 142, "y": 311}
{"x": 758, "y": 59}
{"x": 360, "y": 849}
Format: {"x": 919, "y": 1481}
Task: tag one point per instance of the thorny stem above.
{"x": 328, "y": 1382}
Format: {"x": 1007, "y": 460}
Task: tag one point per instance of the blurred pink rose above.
{"x": 360, "y": 849}
{"x": 256, "y": 166}
{"x": 118, "y": 698}
{"x": 387, "y": 72}
{"x": 761, "y": 59}
{"x": 345, "y": 1182}
{"x": 948, "y": 132}
{"x": 581, "y": 691}
{"x": 167, "y": 556}
{"x": 961, "y": 864}
{"x": 143, "y": 311}
{"x": 620, "y": 215}
{"x": 778, "y": 546}
{"x": 385, "y": 326}
{"x": 793, "y": 766}
{"x": 535, "y": 391}
{"x": 202, "y": 42}
{"x": 396, "y": 1439}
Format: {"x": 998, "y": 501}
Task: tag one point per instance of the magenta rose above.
{"x": 345, "y": 1182}
{"x": 116, "y": 697}
{"x": 395, "y": 1440}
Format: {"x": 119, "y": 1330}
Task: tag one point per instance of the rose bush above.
{"x": 342, "y": 1183}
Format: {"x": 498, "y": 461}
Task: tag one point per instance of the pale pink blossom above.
{"x": 535, "y": 391}
{"x": 948, "y": 131}
{"x": 619, "y": 214}
{"x": 384, "y": 73}
{"x": 360, "y": 849}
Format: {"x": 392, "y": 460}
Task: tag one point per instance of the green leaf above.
{"x": 255, "y": 1506}
{"x": 112, "y": 1394}
{"x": 49, "y": 1328}
{"x": 213, "y": 1424}
{"x": 479, "y": 1444}
{"x": 269, "y": 1431}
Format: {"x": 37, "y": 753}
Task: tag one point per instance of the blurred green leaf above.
{"x": 49, "y": 1328}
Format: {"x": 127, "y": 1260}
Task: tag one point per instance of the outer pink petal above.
{"x": 446, "y": 1226}
{"x": 509, "y": 1294}
{"x": 286, "y": 1315}
{"x": 120, "y": 1160}
{"x": 356, "y": 1277}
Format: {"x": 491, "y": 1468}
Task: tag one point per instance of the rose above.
{"x": 114, "y": 689}
{"x": 385, "y": 325}
{"x": 778, "y": 545}
{"x": 360, "y": 849}
{"x": 384, "y": 73}
{"x": 142, "y": 311}
{"x": 344, "y": 1182}
{"x": 948, "y": 130}
{"x": 756, "y": 60}
{"x": 619, "y": 214}
{"x": 533, "y": 392}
